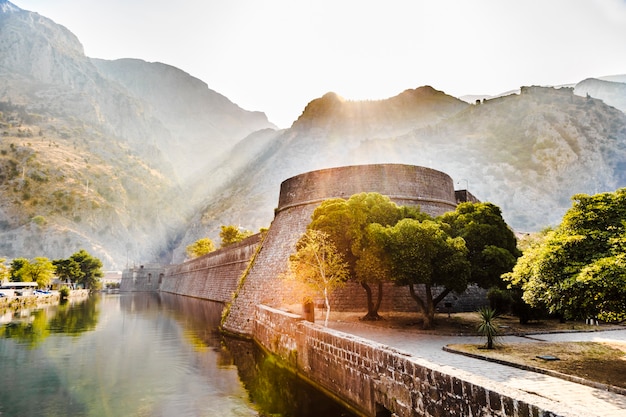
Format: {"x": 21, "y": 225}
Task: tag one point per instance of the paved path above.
{"x": 575, "y": 399}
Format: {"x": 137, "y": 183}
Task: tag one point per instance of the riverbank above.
{"x": 16, "y": 302}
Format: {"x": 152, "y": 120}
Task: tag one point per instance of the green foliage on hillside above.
{"x": 72, "y": 181}
{"x": 58, "y": 171}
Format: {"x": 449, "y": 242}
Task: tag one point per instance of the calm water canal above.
{"x": 141, "y": 355}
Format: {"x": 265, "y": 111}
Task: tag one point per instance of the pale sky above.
{"x": 277, "y": 55}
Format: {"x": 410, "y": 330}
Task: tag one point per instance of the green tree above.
{"x": 346, "y": 223}
{"x": 68, "y": 270}
{"x": 421, "y": 252}
{"x": 4, "y": 270}
{"x": 491, "y": 244}
{"x": 233, "y": 234}
{"x": 17, "y": 270}
{"x": 318, "y": 265}
{"x": 578, "y": 269}
{"x": 39, "y": 270}
{"x": 200, "y": 247}
{"x": 91, "y": 269}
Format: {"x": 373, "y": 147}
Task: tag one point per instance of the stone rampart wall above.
{"x": 214, "y": 276}
{"x": 378, "y": 380}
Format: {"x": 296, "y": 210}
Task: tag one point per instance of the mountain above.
{"x": 612, "y": 93}
{"x": 134, "y": 160}
{"x": 202, "y": 123}
{"x": 96, "y": 154}
{"x": 528, "y": 153}
{"x": 409, "y": 110}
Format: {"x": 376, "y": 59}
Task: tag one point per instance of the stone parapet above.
{"x": 378, "y": 380}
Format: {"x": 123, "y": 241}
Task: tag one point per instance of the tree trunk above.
{"x": 427, "y": 306}
{"x": 372, "y": 309}
{"x": 327, "y": 307}
{"x": 429, "y": 315}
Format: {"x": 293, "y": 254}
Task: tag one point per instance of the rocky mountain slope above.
{"x": 95, "y": 154}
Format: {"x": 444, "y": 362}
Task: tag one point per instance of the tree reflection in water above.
{"x": 32, "y": 327}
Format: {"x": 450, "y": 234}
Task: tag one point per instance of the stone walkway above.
{"x": 570, "y": 399}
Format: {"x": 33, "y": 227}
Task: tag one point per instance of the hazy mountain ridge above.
{"x": 87, "y": 161}
{"x": 197, "y": 117}
{"x": 408, "y": 110}
{"x": 612, "y": 93}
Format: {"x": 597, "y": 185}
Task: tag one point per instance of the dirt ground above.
{"x": 463, "y": 323}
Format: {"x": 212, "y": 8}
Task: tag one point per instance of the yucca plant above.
{"x": 487, "y": 327}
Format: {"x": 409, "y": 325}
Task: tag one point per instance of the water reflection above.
{"x": 33, "y": 326}
{"x": 141, "y": 355}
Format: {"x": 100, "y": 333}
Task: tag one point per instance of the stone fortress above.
{"x": 373, "y": 379}
{"x": 247, "y": 274}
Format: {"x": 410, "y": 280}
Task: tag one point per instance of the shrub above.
{"x": 487, "y": 327}
{"x": 64, "y": 292}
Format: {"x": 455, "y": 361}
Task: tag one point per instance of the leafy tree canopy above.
{"x": 233, "y": 234}
{"x": 39, "y": 270}
{"x": 579, "y": 268}
{"x": 422, "y": 252}
{"x": 4, "y": 270}
{"x": 17, "y": 269}
{"x": 346, "y": 223}
{"x": 491, "y": 244}
{"x": 200, "y": 247}
{"x": 68, "y": 270}
{"x": 90, "y": 266}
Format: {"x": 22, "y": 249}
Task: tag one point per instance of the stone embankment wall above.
{"x": 431, "y": 190}
{"x": 378, "y": 380}
{"x": 213, "y": 276}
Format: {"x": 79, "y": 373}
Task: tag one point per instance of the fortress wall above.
{"x": 142, "y": 278}
{"x": 378, "y": 380}
{"x": 432, "y": 190}
{"x": 213, "y": 276}
{"x": 405, "y": 184}
{"x": 352, "y": 297}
